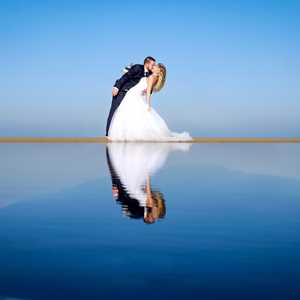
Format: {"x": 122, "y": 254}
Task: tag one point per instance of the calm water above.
{"x": 150, "y": 221}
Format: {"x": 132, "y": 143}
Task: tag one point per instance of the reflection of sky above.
{"x": 233, "y": 66}
{"x": 29, "y": 170}
{"x": 261, "y": 159}
{"x": 232, "y": 221}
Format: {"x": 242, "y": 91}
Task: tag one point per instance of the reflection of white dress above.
{"x": 133, "y": 122}
{"x": 133, "y": 162}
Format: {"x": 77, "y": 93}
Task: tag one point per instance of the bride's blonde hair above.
{"x": 161, "y": 78}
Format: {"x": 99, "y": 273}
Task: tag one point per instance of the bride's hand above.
{"x": 115, "y": 91}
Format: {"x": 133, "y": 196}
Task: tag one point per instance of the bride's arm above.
{"x": 151, "y": 80}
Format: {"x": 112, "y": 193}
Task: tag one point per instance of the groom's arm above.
{"x": 127, "y": 76}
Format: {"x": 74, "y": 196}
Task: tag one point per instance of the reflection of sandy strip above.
{"x": 104, "y": 140}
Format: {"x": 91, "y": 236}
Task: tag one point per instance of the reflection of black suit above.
{"x": 124, "y": 84}
{"x": 132, "y": 205}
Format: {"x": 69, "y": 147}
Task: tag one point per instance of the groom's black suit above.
{"x": 133, "y": 208}
{"x": 124, "y": 84}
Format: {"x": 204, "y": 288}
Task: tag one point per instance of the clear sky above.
{"x": 233, "y": 66}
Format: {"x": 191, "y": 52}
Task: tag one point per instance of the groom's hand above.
{"x": 115, "y": 91}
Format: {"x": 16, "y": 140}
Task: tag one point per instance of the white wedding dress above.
{"x": 133, "y": 162}
{"x": 133, "y": 122}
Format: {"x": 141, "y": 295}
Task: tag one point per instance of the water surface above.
{"x": 150, "y": 221}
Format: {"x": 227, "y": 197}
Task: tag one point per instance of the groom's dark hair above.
{"x": 148, "y": 58}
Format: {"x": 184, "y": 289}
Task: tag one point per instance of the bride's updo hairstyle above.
{"x": 161, "y": 78}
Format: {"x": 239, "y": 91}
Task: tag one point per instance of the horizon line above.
{"x": 104, "y": 140}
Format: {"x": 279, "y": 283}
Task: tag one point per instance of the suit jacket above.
{"x": 131, "y": 78}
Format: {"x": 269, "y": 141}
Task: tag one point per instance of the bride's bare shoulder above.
{"x": 152, "y": 78}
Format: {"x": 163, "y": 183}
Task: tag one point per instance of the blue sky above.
{"x": 233, "y": 66}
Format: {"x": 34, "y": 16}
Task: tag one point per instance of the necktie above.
{"x": 146, "y": 74}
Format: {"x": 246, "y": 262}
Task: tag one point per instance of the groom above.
{"x": 126, "y": 82}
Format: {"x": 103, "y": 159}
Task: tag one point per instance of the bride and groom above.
{"x": 133, "y": 167}
{"x": 131, "y": 117}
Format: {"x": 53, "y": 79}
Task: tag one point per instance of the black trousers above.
{"x": 116, "y": 101}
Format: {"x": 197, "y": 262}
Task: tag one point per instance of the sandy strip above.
{"x": 103, "y": 140}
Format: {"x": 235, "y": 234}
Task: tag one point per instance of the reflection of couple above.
{"x": 131, "y": 117}
{"x": 131, "y": 166}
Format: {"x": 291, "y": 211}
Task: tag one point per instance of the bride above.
{"x": 136, "y": 120}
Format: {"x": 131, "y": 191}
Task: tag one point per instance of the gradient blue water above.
{"x": 231, "y": 229}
